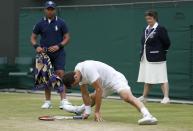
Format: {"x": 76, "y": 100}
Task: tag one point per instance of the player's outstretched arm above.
{"x": 86, "y": 100}
{"x": 98, "y": 99}
{"x": 85, "y": 95}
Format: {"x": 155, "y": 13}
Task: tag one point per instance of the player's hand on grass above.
{"x": 39, "y": 50}
{"x": 53, "y": 48}
{"x": 98, "y": 117}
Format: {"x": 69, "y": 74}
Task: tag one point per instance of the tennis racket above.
{"x": 52, "y": 118}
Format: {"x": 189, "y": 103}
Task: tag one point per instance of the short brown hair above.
{"x": 68, "y": 79}
{"x": 152, "y": 13}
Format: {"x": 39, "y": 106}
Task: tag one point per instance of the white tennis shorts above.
{"x": 120, "y": 83}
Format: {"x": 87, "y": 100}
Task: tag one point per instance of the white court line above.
{"x": 79, "y": 95}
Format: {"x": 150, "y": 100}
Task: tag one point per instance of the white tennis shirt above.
{"x": 92, "y": 70}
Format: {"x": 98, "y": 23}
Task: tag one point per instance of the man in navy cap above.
{"x": 54, "y": 37}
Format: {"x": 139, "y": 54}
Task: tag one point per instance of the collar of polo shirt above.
{"x": 46, "y": 19}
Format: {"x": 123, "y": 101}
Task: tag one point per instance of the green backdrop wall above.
{"x": 111, "y": 34}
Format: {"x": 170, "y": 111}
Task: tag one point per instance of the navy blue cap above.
{"x": 50, "y": 4}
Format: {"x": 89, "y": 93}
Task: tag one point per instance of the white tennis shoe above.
{"x": 46, "y": 105}
{"x": 67, "y": 106}
{"x": 142, "y": 99}
{"x": 80, "y": 109}
{"x": 148, "y": 120}
{"x": 165, "y": 100}
{"x": 63, "y": 103}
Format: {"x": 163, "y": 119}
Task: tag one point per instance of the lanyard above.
{"x": 146, "y": 37}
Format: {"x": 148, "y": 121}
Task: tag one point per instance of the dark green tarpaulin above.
{"x": 112, "y": 35}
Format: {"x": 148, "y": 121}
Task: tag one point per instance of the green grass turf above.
{"x": 21, "y": 107}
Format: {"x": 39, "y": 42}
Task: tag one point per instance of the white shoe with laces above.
{"x": 148, "y": 120}
{"x": 142, "y": 99}
{"x": 80, "y": 109}
{"x": 63, "y": 103}
{"x": 165, "y": 100}
{"x": 46, "y": 105}
{"x": 67, "y": 106}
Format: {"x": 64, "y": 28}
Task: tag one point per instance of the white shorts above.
{"x": 120, "y": 85}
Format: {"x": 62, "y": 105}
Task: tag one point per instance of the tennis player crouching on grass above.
{"x": 105, "y": 80}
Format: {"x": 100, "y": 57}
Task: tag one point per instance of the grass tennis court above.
{"x": 19, "y": 112}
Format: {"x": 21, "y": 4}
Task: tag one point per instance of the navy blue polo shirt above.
{"x": 52, "y": 33}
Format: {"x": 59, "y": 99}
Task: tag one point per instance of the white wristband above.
{"x": 87, "y": 110}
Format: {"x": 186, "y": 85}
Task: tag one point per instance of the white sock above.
{"x": 166, "y": 97}
{"x": 48, "y": 101}
{"x": 145, "y": 112}
{"x": 64, "y": 99}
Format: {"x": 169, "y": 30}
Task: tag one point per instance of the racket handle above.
{"x": 77, "y": 117}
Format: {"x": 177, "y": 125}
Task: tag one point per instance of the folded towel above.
{"x": 44, "y": 74}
